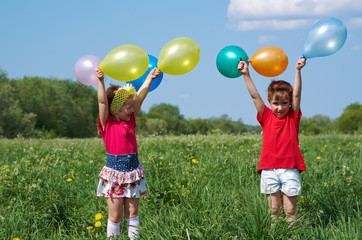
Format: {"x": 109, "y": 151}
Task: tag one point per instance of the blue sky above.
{"x": 46, "y": 38}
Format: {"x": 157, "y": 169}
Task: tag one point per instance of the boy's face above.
{"x": 280, "y": 106}
{"x": 124, "y": 114}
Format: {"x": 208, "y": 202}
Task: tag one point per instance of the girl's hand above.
{"x": 154, "y": 73}
{"x": 99, "y": 74}
{"x": 243, "y": 68}
{"x": 300, "y": 63}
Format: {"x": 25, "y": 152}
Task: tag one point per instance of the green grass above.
{"x": 199, "y": 187}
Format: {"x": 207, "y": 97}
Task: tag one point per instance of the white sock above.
{"x": 113, "y": 229}
{"x": 133, "y": 227}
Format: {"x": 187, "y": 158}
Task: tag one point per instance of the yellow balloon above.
{"x": 269, "y": 61}
{"x": 125, "y": 63}
{"x": 179, "y": 56}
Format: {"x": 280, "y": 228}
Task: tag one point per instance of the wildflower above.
{"x": 339, "y": 148}
{"x": 98, "y": 224}
{"x": 16, "y": 238}
{"x": 318, "y": 157}
{"x": 89, "y": 228}
{"x": 194, "y": 160}
{"x": 69, "y": 180}
{"x": 98, "y": 216}
{"x": 86, "y": 180}
{"x": 61, "y": 161}
{"x": 47, "y": 157}
{"x": 170, "y": 185}
{"x": 36, "y": 212}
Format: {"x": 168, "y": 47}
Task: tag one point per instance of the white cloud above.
{"x": 357, "y": 48}
{"x": 266, "y": 38}
{"x": 355, "y": 23}
{"x": 246, "y": 15}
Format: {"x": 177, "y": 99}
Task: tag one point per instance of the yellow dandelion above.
{"x": 47, "y": 157}
{"x": 69, "y": 180}
{"x": 318, "y": 157}
{"x": 98, "y": 216}
{"x": 98, "y": 224}
{"x": 61, "y": 161}
{"x": 7, "y": 170}
{"x": 89, "y": 228}
{"x": 183, "y": 172}
{"x": 16, "y": 238}
{"x": 194, "y": 160}
{"x": 339, "y": 148}
{"x": 86, "y": 180}
{"x": 36, "y": 212}
{"x": 170, "y": 185}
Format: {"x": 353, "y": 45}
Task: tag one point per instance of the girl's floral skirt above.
{"x": 117, "y": 184}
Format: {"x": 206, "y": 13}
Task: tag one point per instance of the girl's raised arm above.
{"x": 258, "y": 101}
{"x": 102, "y": 98}
{"x": 297, "y": 89}
{"x": 143, "y": 90}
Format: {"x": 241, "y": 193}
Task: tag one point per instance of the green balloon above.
{"x": 228, "y": 59}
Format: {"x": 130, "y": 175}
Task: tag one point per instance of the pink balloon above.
{"x": 85, "y": 68}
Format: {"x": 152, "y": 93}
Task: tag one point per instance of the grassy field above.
{"x": 200, "y": 187}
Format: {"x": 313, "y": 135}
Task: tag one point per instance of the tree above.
{"x": 351, "y": 119}
{"x": 199, "y": 126}
{"x": 13, "y": 120}
{"x": 314, "y": 125}
{"x": 174, "y": 121}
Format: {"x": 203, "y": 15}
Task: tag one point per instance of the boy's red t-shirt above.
{"x": 119, "y": 136}
{"x": 280, "y": 141}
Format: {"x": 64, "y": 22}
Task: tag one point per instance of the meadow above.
{"x": 199, "y": 187}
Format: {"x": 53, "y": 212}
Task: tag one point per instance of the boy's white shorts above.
{"x": 286, "y": 180}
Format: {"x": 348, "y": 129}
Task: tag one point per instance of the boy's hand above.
{"x": 154, "y": 73}
{"x": 243, "y": 68}
{"x": 300, "y": 63}
{"x": 99, "y": 74}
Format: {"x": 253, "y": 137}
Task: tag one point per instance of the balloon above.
{"x": 125, "y": 63}
{"x": 179, "y": 56}
{"x": 228, "y": 59}
{"x": 85, "y": 68}
{"x": 269, "y": 61}
{"x": 138, "y": 82}
{"x": 325, "y": 38}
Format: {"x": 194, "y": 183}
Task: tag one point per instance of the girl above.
{"x": 281, "y": 160}
{"x": 122, "y": 180}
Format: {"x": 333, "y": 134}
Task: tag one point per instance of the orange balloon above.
{"x": 269, "y": 61}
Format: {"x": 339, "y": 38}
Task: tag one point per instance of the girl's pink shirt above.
{"x": 119, "y": 136}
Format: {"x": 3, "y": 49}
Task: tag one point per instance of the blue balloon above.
{"x": 228, "y": 59}
{"x": 325, "y": 38}
{"x": 139, "y": 81}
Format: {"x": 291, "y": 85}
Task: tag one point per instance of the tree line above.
{"x": 49, "y": 108}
